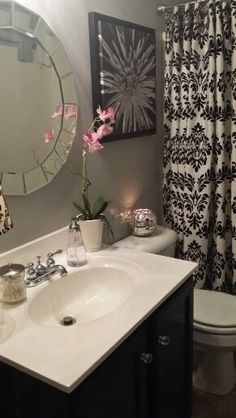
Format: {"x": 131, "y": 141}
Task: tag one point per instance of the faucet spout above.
{"x": 61, "y": 269}
{"x": 49, "y": 273}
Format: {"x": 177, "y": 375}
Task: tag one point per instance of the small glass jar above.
{"x": 12, "y": 284}
{"x": 143, "y": 222}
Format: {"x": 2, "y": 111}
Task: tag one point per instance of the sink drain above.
{"x": 67, "y": 320}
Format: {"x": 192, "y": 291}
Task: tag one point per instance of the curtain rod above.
{"x": 162, "y": 9}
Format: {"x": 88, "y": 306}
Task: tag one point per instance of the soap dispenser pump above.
{"x": 76, "y": 255}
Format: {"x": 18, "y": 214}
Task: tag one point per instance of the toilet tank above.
{"x": 162, "y": 242}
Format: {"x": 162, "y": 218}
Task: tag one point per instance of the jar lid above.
{"x": 11, "y": 270}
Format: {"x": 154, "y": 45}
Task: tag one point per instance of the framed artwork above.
{"x": 123, "y": 69}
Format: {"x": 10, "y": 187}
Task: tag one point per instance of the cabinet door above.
{"x": 23, "y": 396}
{"x": 117, "y": 388}
{"x": 172, "y": 347}
{"x": 7, "y": 406}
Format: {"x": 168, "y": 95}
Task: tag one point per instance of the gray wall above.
{"x": 126, "y": 172}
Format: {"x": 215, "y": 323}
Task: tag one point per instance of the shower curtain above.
{"x": 199, "y": 190}
{"x": 5, "y": 218}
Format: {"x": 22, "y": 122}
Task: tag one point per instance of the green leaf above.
{"x": 80, "y": 209}
{"x": 98, "y": 207}
{"x": 108, "y": 229}
{"x": 87, "y": 206}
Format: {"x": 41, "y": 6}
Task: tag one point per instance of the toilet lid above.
{"x": 215, "y": 309}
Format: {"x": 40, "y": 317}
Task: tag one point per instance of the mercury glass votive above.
{"x": 143, "y": 222}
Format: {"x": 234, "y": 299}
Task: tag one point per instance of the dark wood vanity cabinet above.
{"x": 171, "y": 341}
{"x": 118, "y": 388}
{"x": 148, "y": 376}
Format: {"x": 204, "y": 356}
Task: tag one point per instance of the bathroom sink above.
{"x": 109, "y": 298}
{"x": 83, "y": 296}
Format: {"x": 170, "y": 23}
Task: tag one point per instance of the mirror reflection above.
{"x": 38, "y": 109}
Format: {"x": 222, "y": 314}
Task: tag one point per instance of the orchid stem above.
{"x": 85, "y": 172}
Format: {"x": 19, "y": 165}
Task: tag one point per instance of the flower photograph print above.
{"x": 123, "y": 70}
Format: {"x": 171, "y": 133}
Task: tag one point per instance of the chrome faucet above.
{"x": 40, "y": 273}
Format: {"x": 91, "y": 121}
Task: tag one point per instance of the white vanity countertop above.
{"x": 65, "y": 356}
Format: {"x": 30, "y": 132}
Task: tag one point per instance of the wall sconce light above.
{"x": 143, "y": 222}
{"x": 5, "y": 218}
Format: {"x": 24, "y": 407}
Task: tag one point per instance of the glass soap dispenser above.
{"x": 76, "y": 255}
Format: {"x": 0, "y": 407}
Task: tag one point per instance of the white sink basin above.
{"x": 109, "y": 298}
{"x": 85, "y": 295}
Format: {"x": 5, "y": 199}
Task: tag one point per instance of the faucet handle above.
{"x": 30, "y": 269}
{"x": 39, "y": 269}
{"x": 50, "y": 260}
{"x": 59, "y": 251}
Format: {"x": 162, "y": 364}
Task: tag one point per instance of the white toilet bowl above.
{"x": 215, "y": 341}
{"x": 214, "y": 321}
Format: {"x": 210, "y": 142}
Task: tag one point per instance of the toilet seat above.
{"x": 214, "y": 330}
{"x": 214, "y": 312}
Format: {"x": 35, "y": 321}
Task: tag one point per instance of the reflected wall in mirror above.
{"x": 38, "y": 103}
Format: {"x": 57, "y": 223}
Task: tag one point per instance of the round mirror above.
{"x": 38, "y": 104}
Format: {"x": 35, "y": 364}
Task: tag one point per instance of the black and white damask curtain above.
{"x": 5, "y": 218}
{"x": 199, "y": 185}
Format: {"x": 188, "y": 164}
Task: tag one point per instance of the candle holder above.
{"x": 143, "y": 222}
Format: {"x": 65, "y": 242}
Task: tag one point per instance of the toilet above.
{"x": 215, "y": 341}
{"x": 162, "y": 242}
{"x": 214, "y": 321}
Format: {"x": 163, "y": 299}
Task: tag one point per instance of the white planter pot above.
{"x": 91, "y": 231}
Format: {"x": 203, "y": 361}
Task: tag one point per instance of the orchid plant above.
{"x": 100, "y": 127}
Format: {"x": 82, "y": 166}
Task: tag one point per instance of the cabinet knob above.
{"x": 164, "y": 340}
{"x": 146, "y": 358}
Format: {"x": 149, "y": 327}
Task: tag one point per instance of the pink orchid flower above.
{"x": 49, "y": 136}
{"x": 92, "y": 139}
{"x": 104, "y": 130}
{"x": 57, "y": 112}
{"x": 70, "y": 111}
{"x": 108, "y": 113}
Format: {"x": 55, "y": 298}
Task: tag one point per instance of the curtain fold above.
{"x": 199, "y": 191}
{"x": 5, "y": 218}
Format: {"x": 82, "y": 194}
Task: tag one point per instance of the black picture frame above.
{"x": 123, "y": 72}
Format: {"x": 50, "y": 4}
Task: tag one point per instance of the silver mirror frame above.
{"x": 44, "y": 171}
